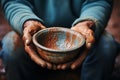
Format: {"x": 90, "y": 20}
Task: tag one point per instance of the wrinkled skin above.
{"x": 31, "y": 27}
{"x": 85, "y": 29}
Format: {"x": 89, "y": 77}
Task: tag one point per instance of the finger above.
{"x": 90, "y": 36}
{"x": 78, "y": 62}
{"x": 89, "y": 45}
{"x": 58, "y": 66}
{"x": 90, "y": 39}
{"x": 64, "y": 66}
{"x": 27, "y": 38}
{"x": 34, "y": 56}
{"x": 49, "y": 66}
{"x": 43, "y": 27}
{"x": 54, "y": 67}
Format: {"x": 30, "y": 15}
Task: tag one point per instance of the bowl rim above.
{"x": 34, "y": 39}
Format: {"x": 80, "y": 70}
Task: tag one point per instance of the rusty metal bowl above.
{"x": 58, "y": 44}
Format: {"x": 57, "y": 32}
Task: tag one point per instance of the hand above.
{"x": 85, "y": 29}
{"x": 30, "y": 28}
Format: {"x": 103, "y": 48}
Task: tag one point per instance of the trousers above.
{"x": 98, "y": 64}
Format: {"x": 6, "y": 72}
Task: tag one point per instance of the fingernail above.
{"x": 63, "y": 67}
{"x": 49, "y": 66}
{"x": 89, "y": 45}
{"x": 43, "y": 65}
{"x": 58, "y": 67}
{"x": 27, "y": 42}
{"x": 73, "y": 67}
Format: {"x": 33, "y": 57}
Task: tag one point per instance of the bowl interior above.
{"x": 58, "y": 39}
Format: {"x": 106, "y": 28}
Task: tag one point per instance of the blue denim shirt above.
{"x": 65, "y": 13}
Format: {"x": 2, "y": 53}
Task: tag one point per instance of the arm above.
{"x": 23, "y": 20}
{"x": 17, "y": 12}
{"x": 92, "y": 21}
{"x": 98, "y": 11}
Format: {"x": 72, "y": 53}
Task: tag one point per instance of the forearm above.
{"x": 17, "y": 13}
{"x": 97, "y": 11}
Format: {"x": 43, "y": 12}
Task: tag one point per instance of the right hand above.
{"x": 30, "y": 28}
{"x": 85, "y": 29}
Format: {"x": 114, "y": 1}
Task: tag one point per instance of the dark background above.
{"x": 113, "y": 27}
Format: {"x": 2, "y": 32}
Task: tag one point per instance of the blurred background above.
{"x": 113, "y": 27}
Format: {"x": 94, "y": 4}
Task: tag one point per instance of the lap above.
{"x": 13, "y": 44}
{"x": 15, "y": 55}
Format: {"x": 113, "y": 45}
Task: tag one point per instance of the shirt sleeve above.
{"x": 17, "y": 12}
{"x": 98, "y": 11}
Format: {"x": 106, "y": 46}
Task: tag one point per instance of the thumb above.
{"x": 89, "y": 39}
{"x": 27, "y": 38}
{"x": 88, "y": 45}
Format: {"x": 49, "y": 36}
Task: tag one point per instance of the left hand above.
{"x": 30, "y": 27}
{"x": 85, "y": 29}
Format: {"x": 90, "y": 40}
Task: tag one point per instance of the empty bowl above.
{"x": 58, "y": 44}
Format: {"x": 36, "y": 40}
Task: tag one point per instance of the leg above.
{"x": 98, "y": 64}
{"x": 18, "y": 64}
{"x": 20, "y": 67}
